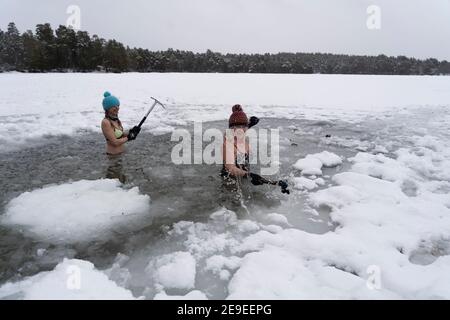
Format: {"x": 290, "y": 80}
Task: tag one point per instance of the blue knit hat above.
{"x": 110, "y": 101}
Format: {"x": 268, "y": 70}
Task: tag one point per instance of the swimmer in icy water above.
{"x": 236, "y": 148}
{"x": 236, "y": 152}
{"x": 112, "y": 127}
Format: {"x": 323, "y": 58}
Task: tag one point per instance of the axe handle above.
{"x": 142, "y": 121}
{"x": 148, "y": 112}
{"x": 267, "y": 181}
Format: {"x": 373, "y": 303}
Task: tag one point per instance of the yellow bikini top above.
{"x": 118, "y": 133}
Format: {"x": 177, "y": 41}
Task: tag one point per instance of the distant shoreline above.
{"x": 49, "y": 50}
{"x": 220, "y": 73}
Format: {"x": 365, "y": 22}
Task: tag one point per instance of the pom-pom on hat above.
{"x": 110, "y": 101}
{"x": 238, "y": 117}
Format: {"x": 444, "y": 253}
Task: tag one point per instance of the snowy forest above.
{"x": 64, "y": 50}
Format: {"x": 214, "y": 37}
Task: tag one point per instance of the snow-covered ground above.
{"x": 41, "y": 105}
{"x": 70, "y": 280}
{"x": 382, "y": 178}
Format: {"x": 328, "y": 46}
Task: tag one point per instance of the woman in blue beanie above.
{"x": 112, "y": 127}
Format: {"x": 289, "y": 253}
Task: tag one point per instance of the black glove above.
{"x": 284, "y": 186}
{"x": 133, "y": 133}
{"x": 253, "y": 122}
{"x": 257, "y": 180}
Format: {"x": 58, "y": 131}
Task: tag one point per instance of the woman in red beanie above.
{"x": 236, "y": 152}
{"x": 235, "y": 145}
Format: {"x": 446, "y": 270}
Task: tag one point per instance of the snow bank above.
{"x": 175, "y": 270}
{"x": 312, "y": 164}
{"x": 380, "y": 226}
{"x": 277, "y": 218}
{"x": 76, "y": 211}
{"x": 309, "y": 165}
{"x": 221, "y": 265}
{"x": 384, "y": 209}
{"x": 328, "y": 159}
{"x": 70, "y": 280}
{"x": 302, "y": 183}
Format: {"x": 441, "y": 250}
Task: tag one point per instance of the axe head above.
{"x": 159, "y": 102}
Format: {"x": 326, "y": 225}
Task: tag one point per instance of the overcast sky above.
{"x": 418, "y": 28}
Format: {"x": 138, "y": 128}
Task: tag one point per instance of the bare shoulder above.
{"x": 105, "y": 122}
{"x": 106, "y": 126}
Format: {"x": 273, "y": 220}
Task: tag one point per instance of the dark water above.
{"x": 177, "y": 192}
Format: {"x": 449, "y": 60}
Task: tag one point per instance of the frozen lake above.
{"x": 387, "y": 205}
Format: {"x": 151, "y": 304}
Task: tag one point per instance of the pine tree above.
{"x": 47, "y": 47}
{"x": 31, "y": 47}
{"x": 97, "y": 57}
{"x": 115, "y": 56}
{"x": 2, "y": 49}
{"x": 66, "y": 46}
{"x": 83, "y": 51}
{"x": 13, "y": 47}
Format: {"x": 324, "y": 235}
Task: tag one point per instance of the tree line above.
{"x": 65, "y": 49}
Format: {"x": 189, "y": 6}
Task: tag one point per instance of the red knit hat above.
{"x": 238, "y": 117}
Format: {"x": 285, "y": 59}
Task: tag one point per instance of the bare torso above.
{"x": 230, "y": 150}
{"x": 114, "y": 144}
